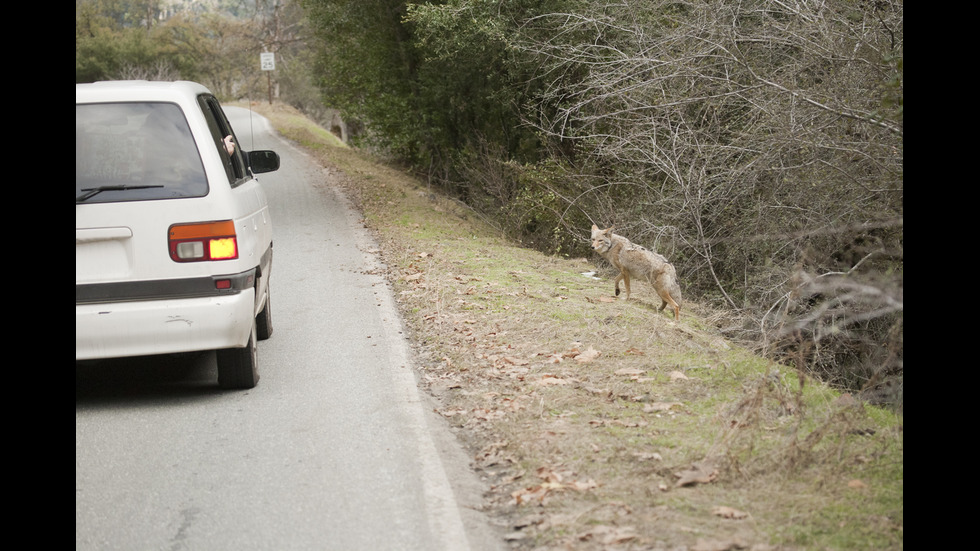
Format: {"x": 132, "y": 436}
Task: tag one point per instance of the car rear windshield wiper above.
{"x": 92, "y": 191}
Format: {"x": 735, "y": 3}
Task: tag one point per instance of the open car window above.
{"x": 235, "y": 164}
{"x": 135, "y": 152}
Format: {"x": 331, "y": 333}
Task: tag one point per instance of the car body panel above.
{"x": 132, "y": 298}
{"x": 143, "y": 328}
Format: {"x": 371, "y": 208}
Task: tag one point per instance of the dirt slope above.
{"x": 603, "y": 424}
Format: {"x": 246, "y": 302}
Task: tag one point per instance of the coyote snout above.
{"x": 633, "y": 260}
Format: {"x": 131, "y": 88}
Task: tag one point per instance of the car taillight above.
{"x": 203, "y": 241}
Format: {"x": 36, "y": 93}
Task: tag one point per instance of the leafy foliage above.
{"x": 148, "y": 39}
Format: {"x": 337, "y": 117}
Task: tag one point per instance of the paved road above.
{"x": 334, "y": 449}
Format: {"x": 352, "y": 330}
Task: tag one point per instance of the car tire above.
{"x": 238, "y": 367}
{"x": 263, "y": 321}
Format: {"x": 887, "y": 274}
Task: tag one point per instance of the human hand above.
{"x": 229, "y": 143}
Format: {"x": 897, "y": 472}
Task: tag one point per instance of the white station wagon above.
{"x": 173, "y": 240}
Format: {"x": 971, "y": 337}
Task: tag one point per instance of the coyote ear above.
{"x": 594, "y": 227}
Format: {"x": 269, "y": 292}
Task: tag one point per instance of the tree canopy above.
{"x": 217, "y": 43}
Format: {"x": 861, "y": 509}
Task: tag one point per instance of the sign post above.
{"x": 268, "y": 61}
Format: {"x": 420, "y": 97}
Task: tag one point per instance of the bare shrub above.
{"x": 760, "y": 142}
{"x": 159, "y": 69}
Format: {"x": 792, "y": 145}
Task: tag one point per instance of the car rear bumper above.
{"x": 164, "y": 326}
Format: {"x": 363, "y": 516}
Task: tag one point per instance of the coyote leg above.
{"x": 661, "y": 289}
{"x": 626, "y": 284}
{"x": 673, "y": 305}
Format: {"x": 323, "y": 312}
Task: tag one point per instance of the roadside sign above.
{"x": 268, "y": 61}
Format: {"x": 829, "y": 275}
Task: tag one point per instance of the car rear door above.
{"x": 249, "y": 202}
{"x": 138, "y": 168}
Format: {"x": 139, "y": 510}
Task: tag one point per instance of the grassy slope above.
{"x": 600, "y": 424}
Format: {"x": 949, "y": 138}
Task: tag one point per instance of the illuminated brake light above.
{"x": 203, "y": 241}
{"x": 224, "y": 249}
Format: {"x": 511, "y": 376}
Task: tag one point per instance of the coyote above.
{"x": 632, "y": 260}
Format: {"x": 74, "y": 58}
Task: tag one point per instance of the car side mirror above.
{"x": 263, "y": 161}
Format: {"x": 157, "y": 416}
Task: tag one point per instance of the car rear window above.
{"x": 135, "y": 152}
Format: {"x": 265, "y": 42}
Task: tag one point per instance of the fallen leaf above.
{"x": 530, "y": 495}
{"x": 549, "y": 474}
{"x": 629, "y": 424}
{"x": 696, "y": 475}
{"x": 858, "y": 484}
{"x": 630, "y": 372}
{"x": 583, "y": 486}
{"x": 621, "y": 535}
{"x": 587, "y": 356}
{"x": 728, "y": 512}
{"x": 609, "y": 535}
{"x": 716, "y": 545}
{"x": 677, "y": 375}
{"x": 516, "y": 372}
{"x": 487, "y": 414}
{"x": 661, "y": 406}
{"x": 496, "y": 458}
{"x": 549, "y": 379}
{"x": 451, "y": 412}
{"x": 643, "y": 456}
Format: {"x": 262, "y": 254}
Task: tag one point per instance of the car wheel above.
{"x": 263, "y": 321}
{"x": 238, "y": 368}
